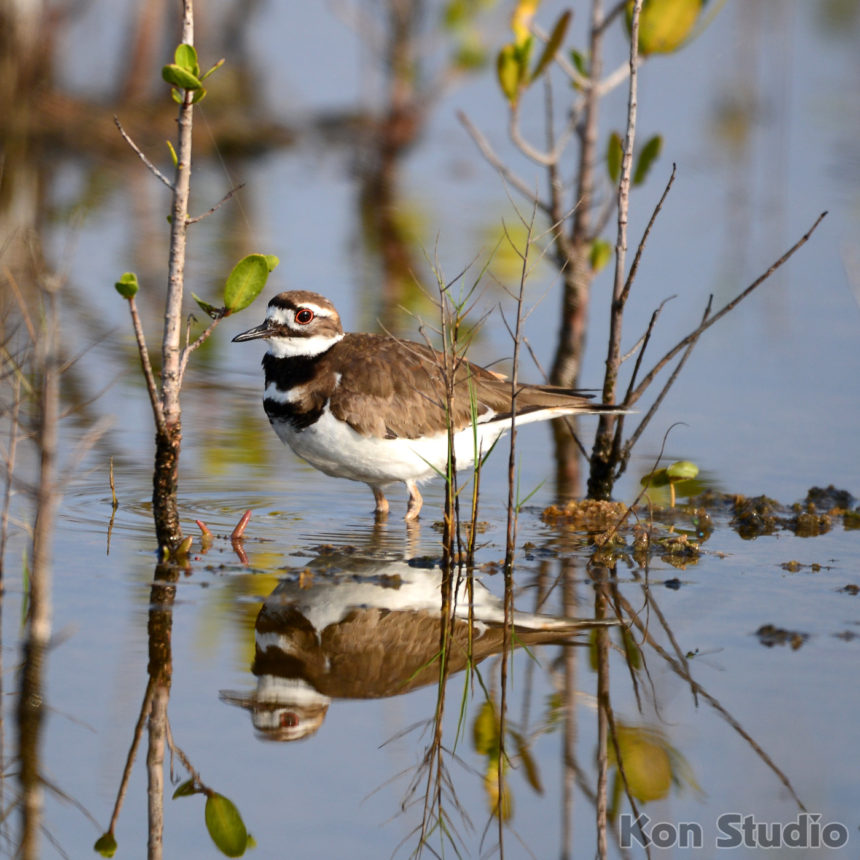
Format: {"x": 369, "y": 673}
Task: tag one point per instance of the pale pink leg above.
{"x": 413, "y": 508}
{"x": 381, "y": 502}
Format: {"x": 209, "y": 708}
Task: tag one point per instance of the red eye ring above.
{"x": 304, "y": 316}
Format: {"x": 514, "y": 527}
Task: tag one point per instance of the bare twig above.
{"x": 151, "y": 385}
{"x": 707, "y": 323}
{"x": 634, "y": 267}
{"x": 196, "y": 344}
{"x": 22, "y": 306}
{"x": 628, "y": 446}
{"x": 217, "y": 206}
{"x": 152, "y": 168}
{"x": 503, "y": 170}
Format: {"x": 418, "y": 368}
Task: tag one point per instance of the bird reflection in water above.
{"x": 369, "y": 629}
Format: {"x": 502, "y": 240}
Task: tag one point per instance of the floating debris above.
{"x": 770, "y": 635}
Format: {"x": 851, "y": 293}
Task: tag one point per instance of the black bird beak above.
{"x": 262, "y": 330}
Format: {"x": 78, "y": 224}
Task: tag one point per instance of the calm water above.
{"x": 770, "y": 403}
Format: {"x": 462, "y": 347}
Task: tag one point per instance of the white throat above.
{"x": 301, "y": 347}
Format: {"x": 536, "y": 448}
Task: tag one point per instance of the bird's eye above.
{"x": 304, "y": 316}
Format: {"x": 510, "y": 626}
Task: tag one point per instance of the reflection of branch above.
{"x": 31, "y": 702}
{"x": 132, "y": 752}
{"x": 681, "y": 669}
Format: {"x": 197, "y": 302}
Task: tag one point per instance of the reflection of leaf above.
{"x": 498, "y": 791}
{"x": 225, "y": 825}
{"x": 106, "y": 845}
{"x": 651, "y": 765}
{"x": 529, "y": 765}
{"x": 485, "y": 730}
{"x": 631, "y": 649}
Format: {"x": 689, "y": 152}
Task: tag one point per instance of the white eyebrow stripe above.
{"x": 285, "y": 315}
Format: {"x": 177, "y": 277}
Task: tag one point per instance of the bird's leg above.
{"x": 413, "y": 508}
{"x": 381, "y": 503}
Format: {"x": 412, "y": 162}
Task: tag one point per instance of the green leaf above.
{"x": 614, "y": 153}
{"x": 508, "y": 73}
{"x": 631, "y": 649}
{"x": 485, "y": 730}
{"x": 176, "y": 95}
{"x": 649, "y": 154}
{"x": 106, "y": 845}
{"x": 682, "y": 470}
{"x": 214, "y": 68}
{"x": 272, "y": 262}
{"x": 599, "y": 254}
{"x": 127, "y": 286}
{"x": 185, "y": 57}
{"x": 225, "y": 826}
{"x": 657, "y": 478}
{"x": 580, "y": 62}
{"x": 531, "y": 770}
{"x": 173, "y": 156}
{"x": 186, "y": 789}
{"x": 245, "y": 282}
{"x": 198, "y": 96}
{"x": 211, "y": 310}
{"x": 553, "y": 43}
{"x": 180, "y": 77}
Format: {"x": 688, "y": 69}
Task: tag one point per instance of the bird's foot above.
{"x": 381, "y": 511}
{"x": 413, "y": 508}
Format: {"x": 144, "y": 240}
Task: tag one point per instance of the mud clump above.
{"x": 770, "y": 635}
{"x": 755, "y": 516}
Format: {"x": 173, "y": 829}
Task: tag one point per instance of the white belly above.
{"x": 333, "y": 447}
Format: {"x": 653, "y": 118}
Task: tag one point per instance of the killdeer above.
{"x": 372, "y": 408}
{"x": 370, "y": 630}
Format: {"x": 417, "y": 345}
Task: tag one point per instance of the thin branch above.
{"x": 706, "y": 324}
{"x": 217, "y": 206}
{"x": 22, "y": 306}
{"x": 634, "y": 268}
{"x": 153, "y": 169}
{"x": 151, "y": 385}
{"x": 503, "y": 170}
{"x": 612, "y": 15}
{"x": 656, "y": 404}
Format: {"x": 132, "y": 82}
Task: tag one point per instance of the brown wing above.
{"x": 395, "y": 388}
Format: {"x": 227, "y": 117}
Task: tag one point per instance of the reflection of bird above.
{"x": 367, "y": 633}
{"x": 373, "y": 408}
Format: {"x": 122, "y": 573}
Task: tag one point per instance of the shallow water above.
{"x": 343, "y": 785}
{"x": 769, "y": 403}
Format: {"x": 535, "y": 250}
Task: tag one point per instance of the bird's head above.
{"x": 298, "y": 323}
